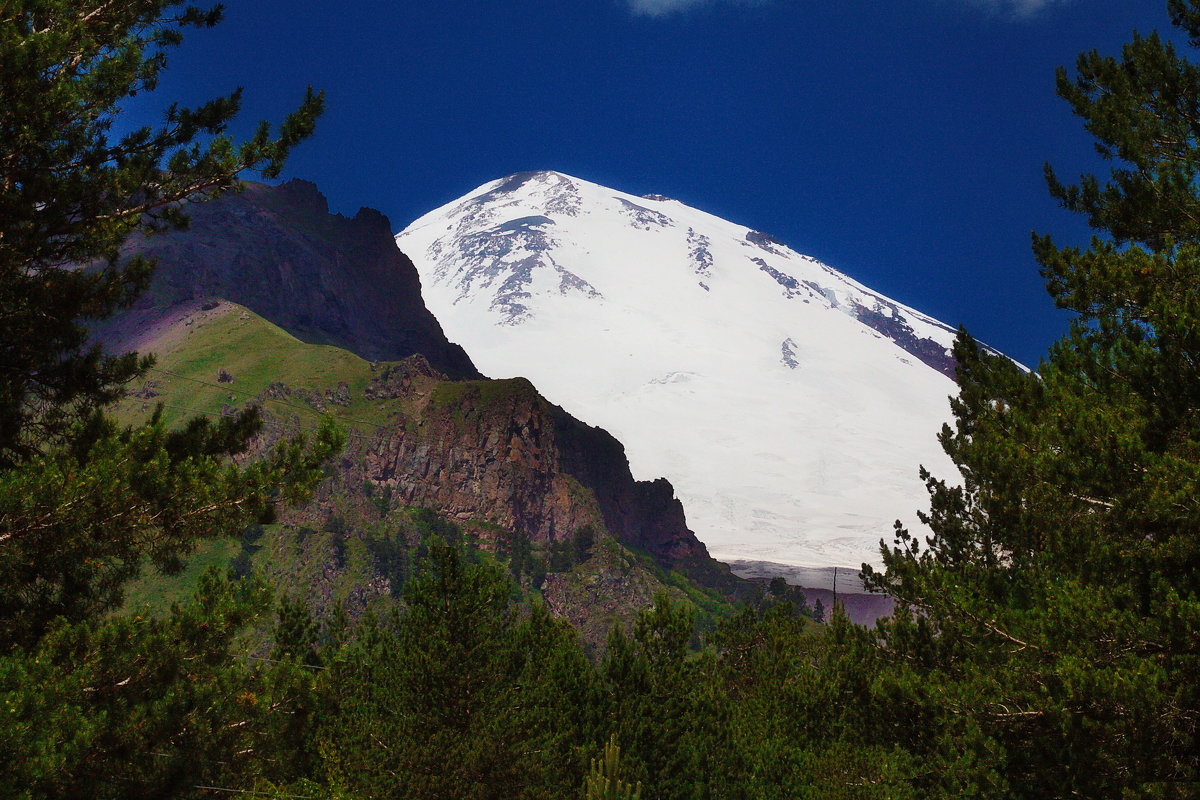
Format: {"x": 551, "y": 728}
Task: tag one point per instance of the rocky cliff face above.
{"x": 480, "y": 451}
{"x": 323, "y": 277}
{"x": 645, "y": 514}
{"x": 498, "y": 452}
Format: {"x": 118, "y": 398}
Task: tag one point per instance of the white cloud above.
{"x": 1013, "y": 9}
{"x": 658, "y": 8}
{"x": 1018, "y": 9}
{"x": 661, "y": 8}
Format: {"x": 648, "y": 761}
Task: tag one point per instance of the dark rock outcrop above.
{"x": 895, "y": 327}
{"x": 642, "y": 514}
{"x": 498, "y": 452}
{"x": 483, "y": 451}
{"x": 323, "y": 277}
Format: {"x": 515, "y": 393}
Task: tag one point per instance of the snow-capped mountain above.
{"x": 789, "y": 405}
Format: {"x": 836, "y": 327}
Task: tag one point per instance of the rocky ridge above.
{"x": 325, "y": 278}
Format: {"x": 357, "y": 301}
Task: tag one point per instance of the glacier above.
{"x": 789, "y": 405}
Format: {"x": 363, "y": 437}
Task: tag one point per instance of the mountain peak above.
{"x": 789, "y": 404}
{"x": 535, "y": 179}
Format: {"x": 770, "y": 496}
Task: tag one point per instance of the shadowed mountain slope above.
{"x": 325, "y": 278}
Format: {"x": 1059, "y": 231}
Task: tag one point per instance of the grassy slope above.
{"x": 192, "y": 355}
{"x": 256, "y": 353}
{"x": 154, "y": 593}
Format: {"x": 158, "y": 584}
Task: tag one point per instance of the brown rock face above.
{"x": 497, "y": 452}
{"x": 643, "y": 514}
{"x": 483, "y": 451}
{"x": 500, "y": 460}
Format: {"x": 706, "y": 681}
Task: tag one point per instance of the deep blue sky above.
{"x": 900, "y": 141}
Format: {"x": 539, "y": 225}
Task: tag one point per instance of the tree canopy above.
{"x": 71, "y": 192}
{"x": 97, "y": 704}
{"x": 1056, "y": 606}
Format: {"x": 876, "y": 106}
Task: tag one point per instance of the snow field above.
{"x": 806, "y": 466}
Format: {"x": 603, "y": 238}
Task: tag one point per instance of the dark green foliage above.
{"x": 462, "y": 695}
{"x": 468, "y": 693}
{"x": 296, "y": 634}
{"x": 538, "y": 566}
{"x": 432, "y": 526}
{"x": 520, "y": 555}
{"x": 82, "y": 503}
{"x": 96, "y": 704}
{"x": 584, "y": 539}
{"x": 818, "y": 611}
{"x": 240, "y": 567}
{"x": 140, "y": 707}
{"x": 566, "y": 553}
{"x": 72, "y": 194}
{"x": 604, "y": 778}
{"x": 76, "y": 525}
{"x": 804, "y": 712}
{"x": 655, "y": 715}
{"x": 1142, "y": 109}
{"x": 1057, "y": 601}
{"x": 560, "y": 557}
{"x": 779, "y": 591}
{"x": 337, "y": 529}
{"x": 391, "y": 556}
{"x": 381, "y": 496}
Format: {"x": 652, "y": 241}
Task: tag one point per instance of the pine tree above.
{"x": 142, "y": 707}
{"x": 404, "y": 701}
{"x": 98, "y": 704}
{"x": 1059, "y": 616}
{"x": 71, "y": 193}
{"x": 462, "y": 695}
{"x": 604, "y": 778}
{"x": 662, "y": 722}
{"x": 82, "y": 502}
